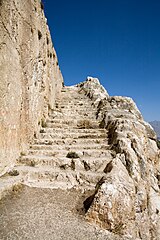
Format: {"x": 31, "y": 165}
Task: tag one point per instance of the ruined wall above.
{"x": 30, "y": 77}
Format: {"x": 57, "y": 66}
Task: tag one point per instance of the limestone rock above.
{"x": 113, "y": 205}
{"x": 94, "y": 90}
{"x": 128, "y": 200}
{"x": 30, "y": 76}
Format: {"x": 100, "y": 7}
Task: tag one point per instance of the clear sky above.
{"x": 117, "y": 41}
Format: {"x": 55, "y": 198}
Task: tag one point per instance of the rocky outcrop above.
{"x": 30, "y": 76}
{"x": 127, "y": 201}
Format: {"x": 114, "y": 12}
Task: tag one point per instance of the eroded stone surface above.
{"x": 30, "y": 76}
{"x": 128, "y": 200}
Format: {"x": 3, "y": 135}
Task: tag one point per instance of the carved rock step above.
{"x": 76, "y": 125}
{"x": 63, "y": 177}
{"x": 77, "y": 107}
{"x": 72, "y": 135}
{"x": 66, "y": 119}
{"x": 68, "y": 88}
{"x": 68, "y": 91}
{"x": 82, "y": 101}
{"x": 62, "y": 152}
{"x": 78, "y": 103}
{"x": 75, "y": 92}
{"x": 79, "y": 110}
{"x": 76, "y": 115}
{"x": 70, "y": 114}
{"x": 79, "y": 113}
{"x": 77, "y": 100}
{"x": 71, "y": 92}
{"x": 83, "y": 164}
{"x": 74, "y": 146}
{"x": 79, "y": 97}
{"x": 59, "y": 141}
{"x": 72, "y": 130}
{"x": 57, "y": 123}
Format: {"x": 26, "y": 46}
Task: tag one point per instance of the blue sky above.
{"x": 117, "y": 41}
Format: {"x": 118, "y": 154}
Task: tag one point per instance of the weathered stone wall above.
{"x": 29, "y": 75}
{"x": 127, "y": 200}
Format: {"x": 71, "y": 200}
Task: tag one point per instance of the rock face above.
{"x": 128, "y": 199}
{"x": 156, "y": 126}
{"x": 30, "y": 76}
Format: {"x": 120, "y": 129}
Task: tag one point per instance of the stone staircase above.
{"x": 70, "y": 149}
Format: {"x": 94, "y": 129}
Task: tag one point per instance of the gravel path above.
{"x": 44, "y": 214}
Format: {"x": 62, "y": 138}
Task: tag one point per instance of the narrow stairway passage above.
{"x": 70, "y": 130}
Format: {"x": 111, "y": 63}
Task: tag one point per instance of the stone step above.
{"x": 64, "y": 163}
{"x": 71, "y": 92}
{"x": 74, "y": 115}
{"x": 49, "y": 124}
{"x": 76, "y": 97}
{"x": 72, "y": 135}
{"x": 69, "y": 177}
{"x": 69, "y": 89}
{"x": 77, "y": 107}
{"x": 63, "y": 152}
{"x": 72, "y": 130}
{"x": 72, "y": 103}
{"x": 76, "y": 125}
{"x": 78, "y": 101}
{"x": 70, "y": 121}
{"x": 68, "y": 117}
{"x": 70, "y": 141}
{"x": 72, "y": 147}
{"x": 78, "y": 113}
